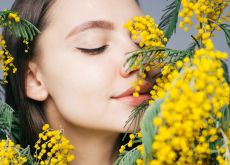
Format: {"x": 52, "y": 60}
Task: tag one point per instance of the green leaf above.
{"x": 135, "y": 116}
{"x": 149, "y": 55}
{"x": 169, "y": 19}
{"x": 9, "y": 123}
{"x": 129, "y": 158}
{"x": 26, "y": 152}
{"x": 225, "y": 120}
{"x": 225, "y": 27}
{"x": 222, "y": 124}
{"x": 16, "y": 30}
{"x": 4, "y": 13}
{"x": 29, "y": 32}
{"x": 23, "y": 29}
{"x": 192, "y": 46}
{"x": 148, "y": 130}
{"x": 30, "y": 27}
{"x": 15, "y": 129}
{"x": 6, "y": 118}
{"x": 226, "y": 73}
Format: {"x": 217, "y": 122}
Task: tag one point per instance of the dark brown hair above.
{"x": 30, "y": 112}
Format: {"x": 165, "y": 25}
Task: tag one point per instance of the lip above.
{"x": 134, "y": 101}
{"x": 127, "y": 96}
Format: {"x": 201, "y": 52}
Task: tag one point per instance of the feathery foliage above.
{"x": 148, "y": 130}
{"x": 135, "y": 116}
{"x": 169, "y": 19}
{"x": 22, "y": 29}
{"x": 149, "y": 55}
{"x": 226, "y": 29}
{"x": 9, "y": 123}
{"x": 129, "y": 158}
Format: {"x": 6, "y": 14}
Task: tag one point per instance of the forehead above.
{"x": 72, "y": 12}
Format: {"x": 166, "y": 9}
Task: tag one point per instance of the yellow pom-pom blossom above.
{"x": 169, "y": 72}
{"x": 208, "y": 14}
{"x": 6, "y": 59}
{"x": 189, "y": 112}
{"x": 132, "y": 138}
{"x": 53, "y": 147}
{"x": 203, "y": 10}
{"x": 193, "y": 97}
{"x": 14, "y": 16}
{"x": 146, "y": 32}
{"x": 10, "y": 153}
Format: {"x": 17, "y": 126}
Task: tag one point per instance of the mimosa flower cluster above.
{"x": 14, "y": 17}
{"x": 187, "y": 125}
{"x": 146, "y": 33}
{"x": 169, "y": 73}
{"x": 132, "y": 138}
{"x": 6, "y": 59}
{"x": 145, "y": 29}
{"x": 141, "y": 28}
{"x": 10, "y": 17}
{"x": 207, "y": 12}
{"x": 192, "y": 126}
{"x": 53, "y": 147}
{"x": 9, "y": 20}
{"x": 10, "y": 153}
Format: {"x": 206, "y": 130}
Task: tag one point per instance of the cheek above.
{"x": 80, "y": 86}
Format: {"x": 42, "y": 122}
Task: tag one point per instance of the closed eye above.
{"x": 93, "y": 51}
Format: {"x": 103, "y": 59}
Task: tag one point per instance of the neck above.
{"x": 92, "y": 146}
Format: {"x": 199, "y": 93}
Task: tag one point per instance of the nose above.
{"x": 150, "y": 75}
{"x": 125, "y": 71}
{"x": 129, "y": 47}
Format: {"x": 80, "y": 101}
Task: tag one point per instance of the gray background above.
{"x": 180, "y": 40}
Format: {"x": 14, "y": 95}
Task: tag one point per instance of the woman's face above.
{"x": 81, "y": 56}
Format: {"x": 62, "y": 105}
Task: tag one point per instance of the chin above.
{"x": 129, "y": 129}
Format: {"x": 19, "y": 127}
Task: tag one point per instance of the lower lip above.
{"x": 134, "y": 101}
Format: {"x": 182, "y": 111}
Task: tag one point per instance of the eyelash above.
{"x": 94, "y": 51}
{"x": 97, "y": 51}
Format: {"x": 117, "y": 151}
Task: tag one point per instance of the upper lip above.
{"x": 144, "y": 88}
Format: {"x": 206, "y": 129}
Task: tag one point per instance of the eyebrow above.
{"x": 91, "y": 25}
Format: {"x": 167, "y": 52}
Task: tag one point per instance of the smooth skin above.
{"x": 79, "y": 68}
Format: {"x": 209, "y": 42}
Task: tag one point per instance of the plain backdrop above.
{"x": 180, "y": 40}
